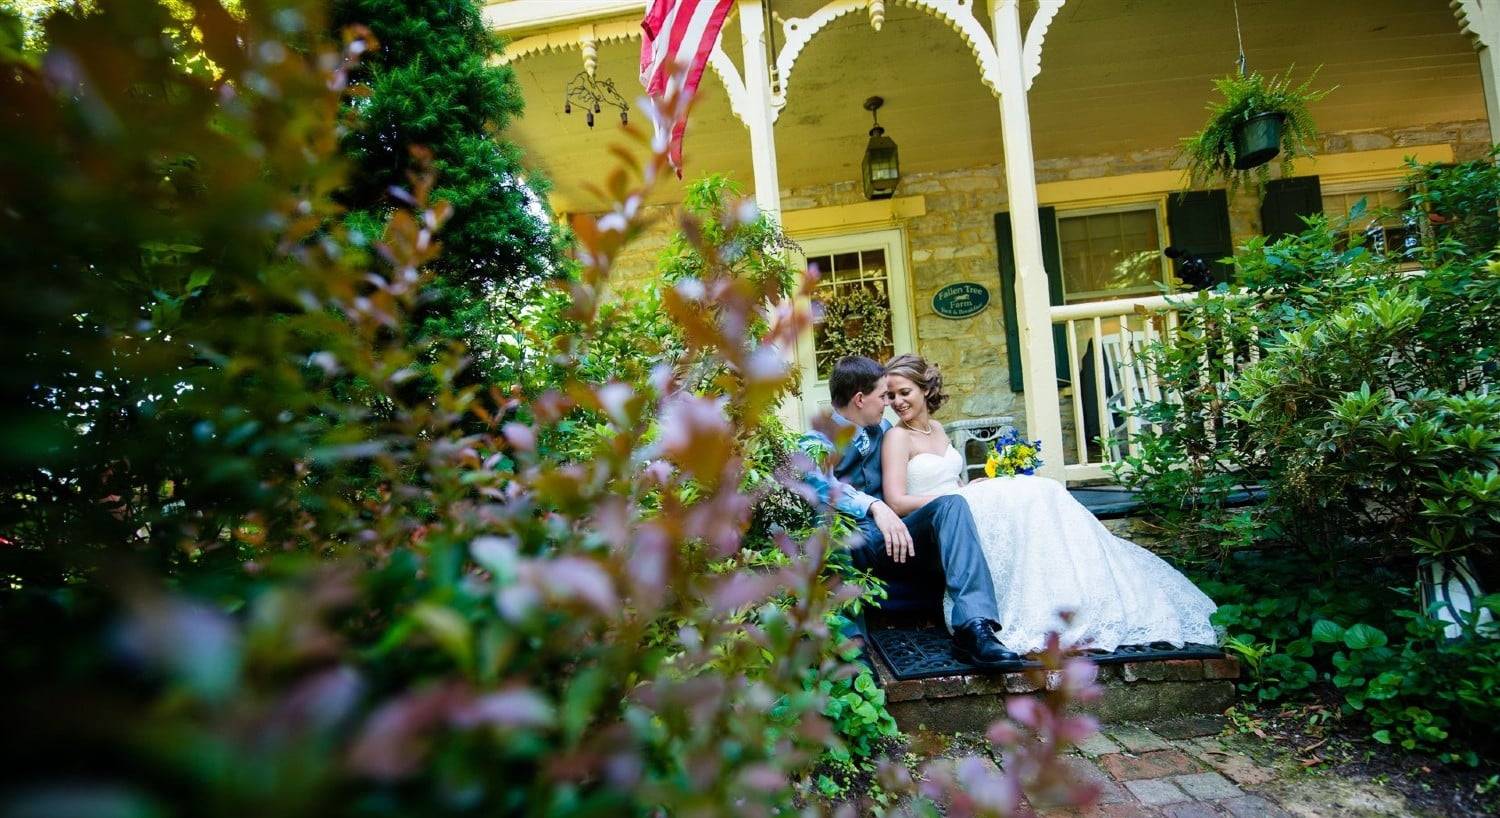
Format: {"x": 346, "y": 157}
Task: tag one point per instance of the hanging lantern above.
{"x": 881, "y": 169}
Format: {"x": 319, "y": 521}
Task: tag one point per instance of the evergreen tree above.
{"x": 432, "y": 83}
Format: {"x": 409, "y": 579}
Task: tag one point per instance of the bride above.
{"x": 1046, "y": 552}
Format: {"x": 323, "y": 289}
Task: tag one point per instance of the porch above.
{"x": 1057, "y": 202}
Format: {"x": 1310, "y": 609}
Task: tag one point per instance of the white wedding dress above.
{"x": 1047, "y": 553}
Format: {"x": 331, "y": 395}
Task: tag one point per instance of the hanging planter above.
{"x": 1258, "y": 120}
{"x": 1257, "y": 140}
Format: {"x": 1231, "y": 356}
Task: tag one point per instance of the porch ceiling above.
{"x": 1117, "y": 76}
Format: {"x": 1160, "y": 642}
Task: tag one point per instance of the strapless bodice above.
{"x": 928, "y": 473}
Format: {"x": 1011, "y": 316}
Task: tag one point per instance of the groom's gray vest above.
{"x": 862, "y": 469}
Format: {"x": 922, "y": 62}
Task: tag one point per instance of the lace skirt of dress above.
{"x": 1047, "y": 553}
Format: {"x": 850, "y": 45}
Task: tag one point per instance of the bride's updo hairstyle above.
{"x": 924, "y": 375}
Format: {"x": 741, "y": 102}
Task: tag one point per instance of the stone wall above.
{"x": 955, "y": 241}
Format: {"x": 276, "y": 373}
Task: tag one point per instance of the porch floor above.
{"x": 1113, "y": 502}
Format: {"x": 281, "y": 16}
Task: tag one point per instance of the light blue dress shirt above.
{"x": 831, "y": 491}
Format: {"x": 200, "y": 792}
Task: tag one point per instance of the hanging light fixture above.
{"x": 882, "y": 166}
{"x": 591, "y": 95}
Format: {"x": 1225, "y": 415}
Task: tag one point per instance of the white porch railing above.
{"x": 1109, "y": 377}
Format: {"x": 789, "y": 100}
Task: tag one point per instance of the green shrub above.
{"x": 193, "y": 563}
{"x": 1353, "y": 633}
{"x": 1361, "y": 397}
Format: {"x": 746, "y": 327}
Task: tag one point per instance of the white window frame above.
{"x": 1361, "y": 187}
{"x": 898, "y": 289}
{"x": 1159, "y": 206}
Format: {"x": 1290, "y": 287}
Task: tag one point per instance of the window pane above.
{"x": 1107, "y": 252}
{"x": 854, "y": 297}
{"x": 824, "y": 264}
{"x": 1381, "y": 224}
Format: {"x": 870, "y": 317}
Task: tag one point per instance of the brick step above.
{"x": 1147, "y": 691}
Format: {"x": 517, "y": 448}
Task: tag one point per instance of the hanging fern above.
{"x": 1211, "y": 154}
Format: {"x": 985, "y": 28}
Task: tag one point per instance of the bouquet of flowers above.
{"x": 1012, "y": 455}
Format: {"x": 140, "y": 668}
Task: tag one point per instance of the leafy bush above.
{"x": 490, "y": 631}
{"x": 232, "y": 589}
{"x": 1360, "y": 397}
{"x": 634, "y": 337}
{"x": 1356, "y": 635}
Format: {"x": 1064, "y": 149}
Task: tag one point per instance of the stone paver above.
{"x": 1177, "y": 772}
{"x": 1189, "y": 727}
{"x": 1137, "y": 739}
{"x": 1253, "y": 806}
{"x": 1122, "y": 810}
{"x": 1098, "y": 745}
{"x": 1155, "y": 792}
{"x": 1208, "y": 786}
{"x": 1081, "y": 769}
{"x": 1237, "y": 766}
{"x": 1191, "y": 809}
{"x": 1158, "y": 764}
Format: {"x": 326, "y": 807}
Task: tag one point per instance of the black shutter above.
{"x": 1286, "y": 202}
{"x": 1198, "y": 222}
{"x": 1052, "y": 261}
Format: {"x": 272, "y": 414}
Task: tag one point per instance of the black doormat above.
{"x": 925, "y": 652}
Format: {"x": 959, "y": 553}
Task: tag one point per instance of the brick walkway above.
{"x": 1142, "y": 773}
{"x": 1187, "y": 769}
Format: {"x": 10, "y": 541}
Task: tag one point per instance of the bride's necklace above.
{"x": 926, "y": 431}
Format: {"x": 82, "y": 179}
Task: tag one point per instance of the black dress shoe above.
{"x": 975, "y": 642}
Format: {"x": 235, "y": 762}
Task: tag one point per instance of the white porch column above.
{"x": 1489, "y": 74}
{"x": 1033, "y": 308}
{"x": 1480, "y": 19}
{"x": 759, "y": 118}
{"x": 759, "y": 115}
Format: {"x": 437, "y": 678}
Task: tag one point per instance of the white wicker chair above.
{"x": 983, "y": 430}
{"x": 1124, "y": 376}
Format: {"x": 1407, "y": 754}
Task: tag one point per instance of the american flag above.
{"x": 679, "y": 35}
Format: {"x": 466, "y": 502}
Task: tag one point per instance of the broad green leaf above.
{"x": 1363, "y": 637}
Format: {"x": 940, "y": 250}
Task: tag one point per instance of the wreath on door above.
{"x": 856, "y": 321}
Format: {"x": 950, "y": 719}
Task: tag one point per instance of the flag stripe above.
{"x": 654, "y": 48}
{"x": 679, "y": 34}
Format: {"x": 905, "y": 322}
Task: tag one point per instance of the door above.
{"x": 862, "y": 307}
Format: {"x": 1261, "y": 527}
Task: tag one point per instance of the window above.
{"x": 1380, "y": 224}
{"x": 1111, "y": 253}
{"x": 854, "y": 293}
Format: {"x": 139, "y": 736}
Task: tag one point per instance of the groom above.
{"x": 934, "y": 546}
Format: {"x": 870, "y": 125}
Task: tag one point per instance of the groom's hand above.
{"x": 898, "y": 544}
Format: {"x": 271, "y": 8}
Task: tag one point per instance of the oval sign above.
{"x": 962, "y": 300}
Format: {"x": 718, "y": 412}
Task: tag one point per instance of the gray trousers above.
{"x": 948, "y": 556}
